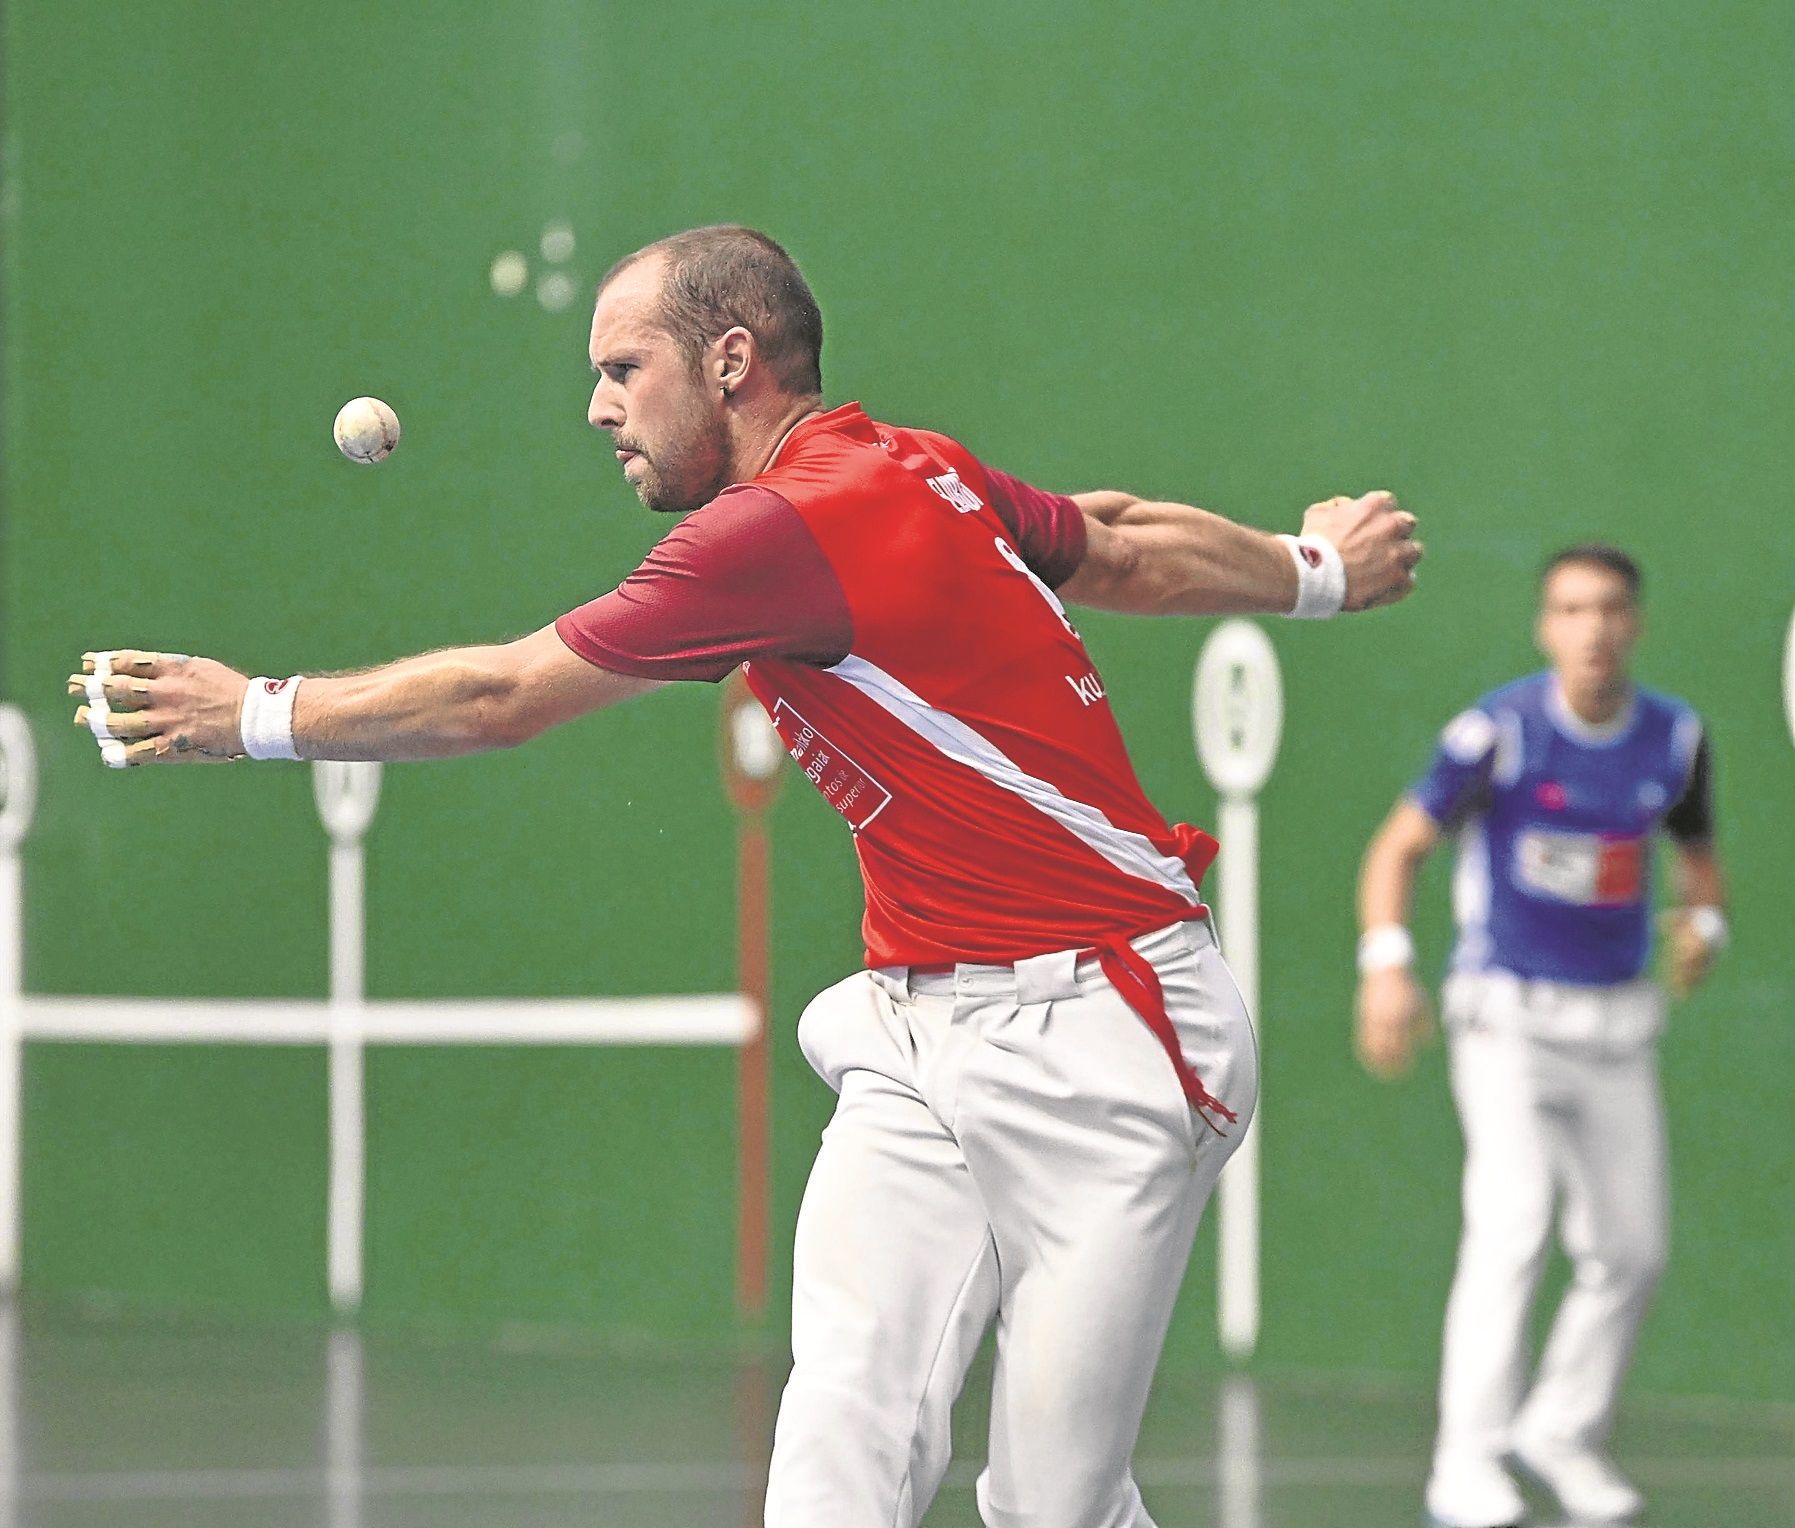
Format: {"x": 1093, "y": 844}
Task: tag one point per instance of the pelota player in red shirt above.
{"x": 1045, "y": 1064}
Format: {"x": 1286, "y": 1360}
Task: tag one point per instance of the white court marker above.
{"x": 12, "y": 1416}
{"x": 555, "y": 290}
{"x": 1789, "y": 678}
{"x": 1239, "y": 1454}
{"x": 344, "y": 1447}
{"x": 345, "y": 1022}
{"x": 510, "y": 273}
{"x": 347, "y": 795}
{"x": 18, "y": 800}
{"x": 557, "y": 242}
{"x": 1237, "y": 716}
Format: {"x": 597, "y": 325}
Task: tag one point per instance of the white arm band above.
{"x": 1708, "y": 923}
{"x": 1320, "y": 578}
{"x": 267, "y": 718}
{"x": 1388, "y": 947}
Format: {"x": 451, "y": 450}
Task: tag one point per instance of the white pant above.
{"x": 1010, "y": 1144}
{"x": 1578, "y": 1126}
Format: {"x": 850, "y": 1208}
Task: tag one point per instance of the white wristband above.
{"x": 1320, "y": 578}
{"x": 1708, "y": 924}
{"x": 1388, "y": 947}
{"x": 267, "y": 719}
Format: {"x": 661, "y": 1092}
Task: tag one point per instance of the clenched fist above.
{"x": 1376, "y": 539}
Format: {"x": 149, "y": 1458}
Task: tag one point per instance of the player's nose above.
{"x": 603, "y": 413}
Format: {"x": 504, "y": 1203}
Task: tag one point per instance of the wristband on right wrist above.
{"x": 1320, "y": 578}
{"x": 1388, "y": 947}
{"x": 1708, "y": 923}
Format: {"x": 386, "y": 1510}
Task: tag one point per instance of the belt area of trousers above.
{"x": 1138, "y": 985}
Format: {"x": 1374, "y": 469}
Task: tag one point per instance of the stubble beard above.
{"x": 680, "y": 477}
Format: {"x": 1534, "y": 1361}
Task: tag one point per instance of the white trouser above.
{"x": 1575, "y": 1125}
{"x": 1009, "y": 1143}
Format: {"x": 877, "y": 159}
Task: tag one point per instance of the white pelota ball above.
{"x": 366, "y": 430}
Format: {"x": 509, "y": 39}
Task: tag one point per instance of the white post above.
{"x": 12, "y": 1420}
{"x": 18, "y": 799}
{"x": 1237, "y": 714}
{"x": 1237, "y": 1195}
{"x": 347, "y": 795}
{"x": 1239, "y": 1452}
{"x": 1789, "y": 678}
{"x": 344, "y": 1448}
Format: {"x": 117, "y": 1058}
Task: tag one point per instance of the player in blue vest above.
{"x": 1554, "y": 787}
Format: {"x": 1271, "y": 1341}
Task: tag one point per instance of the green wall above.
{"x": 1526, "y": 263}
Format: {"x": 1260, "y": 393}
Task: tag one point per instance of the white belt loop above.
{"x": 893, "y": 981}
{"x": 1047, "y": 978}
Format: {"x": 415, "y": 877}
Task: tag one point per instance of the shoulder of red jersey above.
{"x": 738, "y": 579}
{"x": 842, "y": 455}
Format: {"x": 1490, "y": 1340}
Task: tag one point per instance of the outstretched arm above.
{"x": 167, "y": 708}
{"x": 1145, "y": 557}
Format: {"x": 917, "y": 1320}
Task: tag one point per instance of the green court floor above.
{"x": 115, "y": 1422}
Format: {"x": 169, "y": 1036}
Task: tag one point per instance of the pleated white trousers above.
{"x": 1010, "y": 1144}
{"x": 1557, "y": 1090}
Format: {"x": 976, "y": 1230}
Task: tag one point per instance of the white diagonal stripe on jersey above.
{"x": 1131, "y": 853}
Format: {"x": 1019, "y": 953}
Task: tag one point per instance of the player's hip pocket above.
{"x": 1105, "y": 1056}
{"x": 1215, "y": 1033}
{"x": 852, "y": 1026}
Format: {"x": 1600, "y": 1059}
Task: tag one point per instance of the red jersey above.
{"x": 892, "y": 600}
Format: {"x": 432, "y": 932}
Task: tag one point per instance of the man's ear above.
{"x": 736, "y": 360}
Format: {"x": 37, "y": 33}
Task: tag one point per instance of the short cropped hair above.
{"x": 1596, "y": 554}
{"x": 725, "y": 275}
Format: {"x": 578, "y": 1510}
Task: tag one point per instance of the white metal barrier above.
{"x": 346, "y": 1021}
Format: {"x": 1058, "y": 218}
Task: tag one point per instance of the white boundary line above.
{"x": 346, "y": 1021}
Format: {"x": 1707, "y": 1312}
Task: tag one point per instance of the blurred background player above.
{"x": 1554, "y": 787}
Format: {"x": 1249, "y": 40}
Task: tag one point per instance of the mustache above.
{"x": 621, "y": 444}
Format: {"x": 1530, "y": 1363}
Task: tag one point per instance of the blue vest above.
{"x": 1555, "y": 822}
